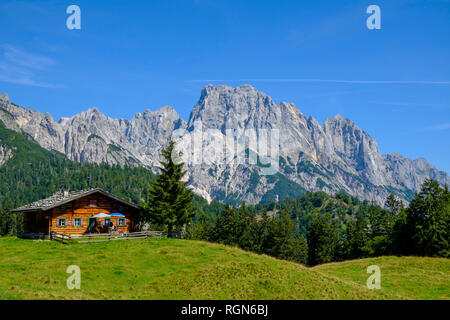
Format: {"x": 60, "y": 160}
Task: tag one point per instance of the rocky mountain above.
{"x": 216, "y": 143}
{"x": 93, "y": 137}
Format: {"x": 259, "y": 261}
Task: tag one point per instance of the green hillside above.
{"x": 183, "y": 269}
{"x": 410, "y": 277}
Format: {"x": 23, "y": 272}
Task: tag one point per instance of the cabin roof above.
{"x": 60, "y": 198}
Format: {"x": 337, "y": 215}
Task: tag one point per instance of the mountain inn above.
{"x": 80, "y": 212}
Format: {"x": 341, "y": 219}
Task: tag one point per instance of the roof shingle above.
{"x": 60, "y": 198}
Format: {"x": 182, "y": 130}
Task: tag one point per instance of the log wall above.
{"x": 81, "y": 208}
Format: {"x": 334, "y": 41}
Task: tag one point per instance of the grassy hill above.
{"x": 182, "y": 269}
{"x": 409, "y": 277}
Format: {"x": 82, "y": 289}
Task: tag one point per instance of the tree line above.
{"x": 312, "y": 229}
{"x": 421, "y": 229}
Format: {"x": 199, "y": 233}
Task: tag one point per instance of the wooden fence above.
{"x": 102, "y": 237}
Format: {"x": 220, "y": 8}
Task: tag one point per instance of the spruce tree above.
{"x": 228, "y": 227}
{"x": 323, "y": 239}
{"x": 394, "y": 206}
{"x": 248, "y": 240}
{"x": 428, "y": 218}
{"x": 286, "y": 245}
{"x": 169, "y": 201}
{"x": 203, "y": 228}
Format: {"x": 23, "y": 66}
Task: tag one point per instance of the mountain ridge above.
{"x": 333, "y": 157}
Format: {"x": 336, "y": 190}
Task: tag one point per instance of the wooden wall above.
{"x": 80, "y": 208}
{"x": 36, "y": 222}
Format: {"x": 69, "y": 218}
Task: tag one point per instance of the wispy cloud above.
{"x": 411, "y": 104}
{"x": 425, "y": 82}
{"x": 21, "y": 67}
{"x": 432, "y": 128}
{"x": 437, "y": 127}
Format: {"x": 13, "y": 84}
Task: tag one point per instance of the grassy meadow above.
{"x": 184, "y": 269}
{"x": 409, "y": 277}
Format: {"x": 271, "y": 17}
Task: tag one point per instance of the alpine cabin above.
{"x": 80, "y": 212}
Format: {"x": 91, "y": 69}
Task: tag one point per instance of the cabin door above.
{"x": 92, "y": 225}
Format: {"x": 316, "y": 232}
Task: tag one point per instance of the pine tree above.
{"x": 375, "y": 225}
{"x": 394, "y": 206}
{"x": 286, "y": 245}
{"x": 203, "y": 228}
{"x": 248, "y": 237}
{"x": 228, "y": 227}
{"x": 169, "y": 201}
{"x": 428, "y": 219}
{"x": 264, "y": 233}
{"x": 323, "y": 239}
{"x": 10, "y": 223}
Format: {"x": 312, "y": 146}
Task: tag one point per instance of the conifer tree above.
{"x": 286, "y": 245}
{"x": 169, "y": 201}
{"x": 323, "y": 239}
{"x": 203, "y": 228}
{"x": 428, "y": 219}
{"x": 228, "y": 227}
{"x": 394, "y": 206}
{"x": 248, "y": 237}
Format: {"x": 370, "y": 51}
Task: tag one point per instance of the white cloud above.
{"x": 21, "y": 67}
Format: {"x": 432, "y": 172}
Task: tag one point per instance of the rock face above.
{"x": 5, "y": 154}
{"x": 338, "y": 156}
{"x": 93, "y": 137}
{"x": 4, "y": 97}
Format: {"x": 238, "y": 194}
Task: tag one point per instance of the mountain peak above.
{"x": 163, "y": 111}
{"x": 4, "y": 97}
{"x": 246, "y": 87}
{"x": 338, "y": 117}
{"x": 225, "y": 89}
{"x": 93, "y": 110}
{"x": 166, "y": 109}
{"x": 222, "y": 107}
{"x": 208, "y": 89}
{"x": 340, "y": 121}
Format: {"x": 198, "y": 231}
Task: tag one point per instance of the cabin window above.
{"x": 63, "y": 207}
{"x": 61, "y": 222}
{"x": 120, "y": 208}
{"x": 92, "y": 203}
{"x": 121, "y": 222}
{"x": 108, "y": 222}
{"x": 76, "y": 222}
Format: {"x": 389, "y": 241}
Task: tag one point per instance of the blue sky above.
{"x": 134, "y": 55}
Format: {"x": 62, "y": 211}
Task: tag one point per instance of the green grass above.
{"x": 183, "y": 269}
{"x": 409, "y": 277}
